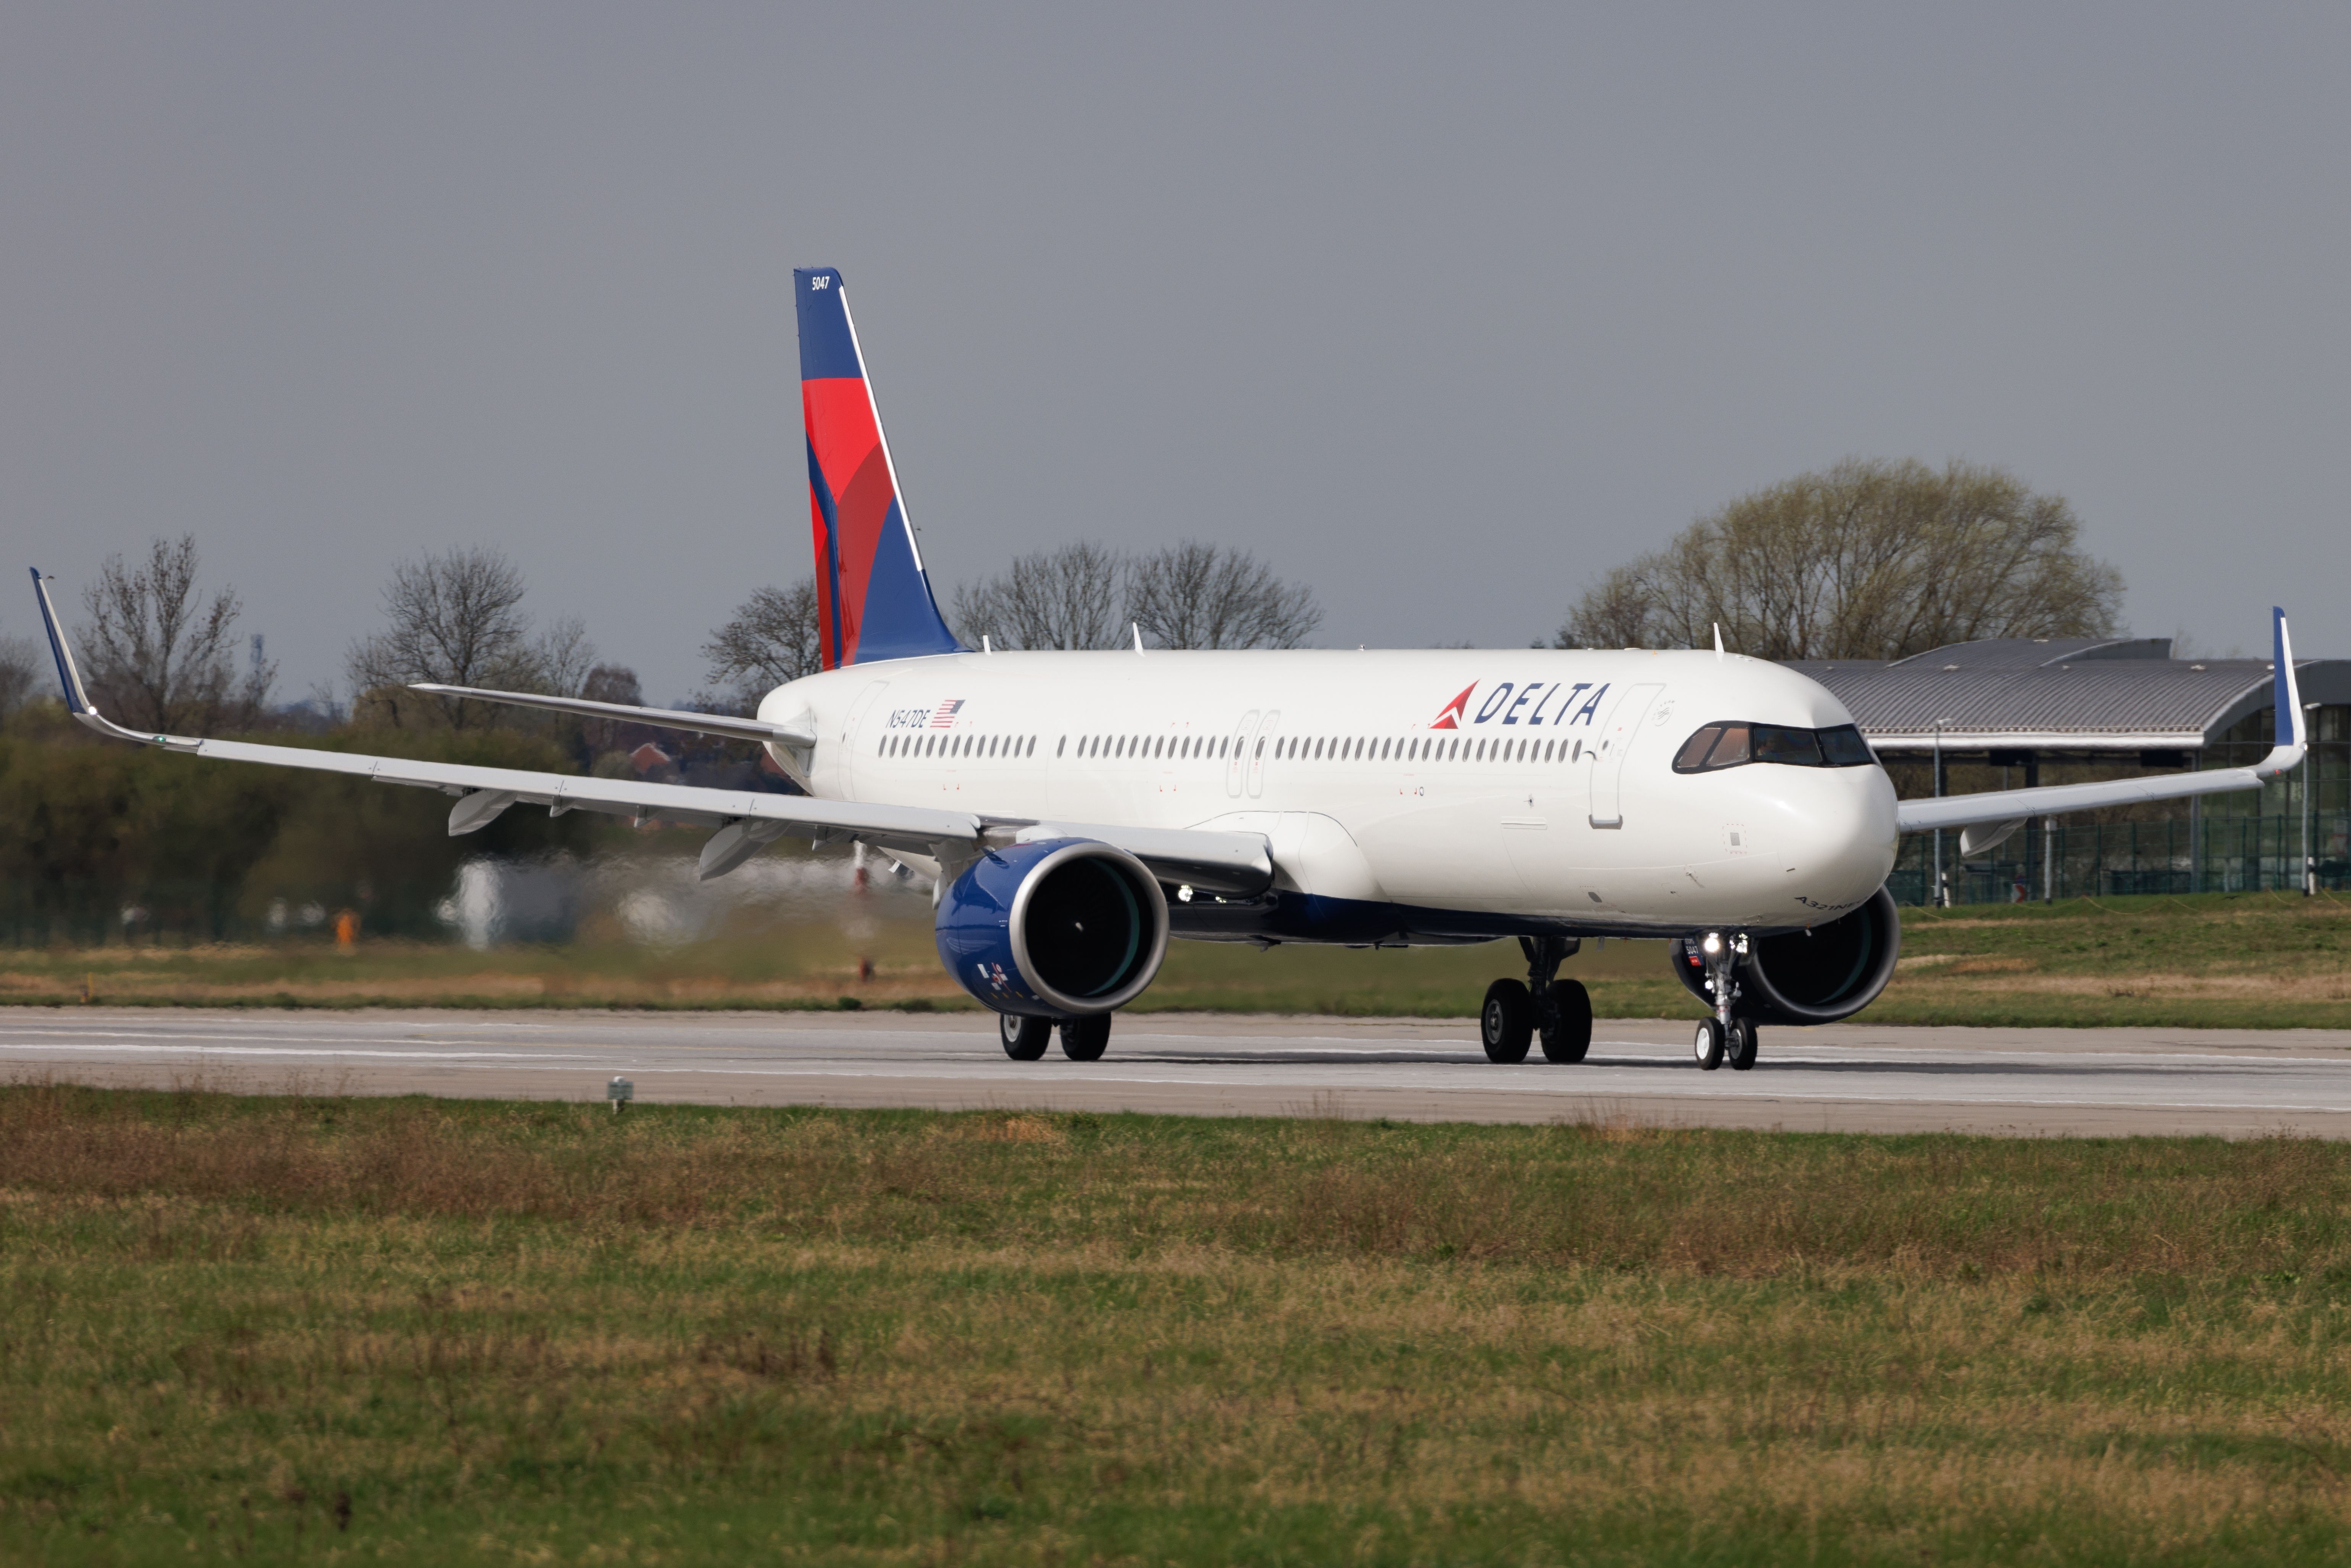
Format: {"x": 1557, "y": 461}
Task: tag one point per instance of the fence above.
{"x": 177, "y": 912}
{"x": 2220, "y": 854}
{"x": 652, "y": 898}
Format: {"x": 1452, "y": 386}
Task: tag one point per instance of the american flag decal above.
{"x": 946, "y": 717}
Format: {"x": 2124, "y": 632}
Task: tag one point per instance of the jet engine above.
{"x": 1830, "y": 972}
{"x": 1060, "y": 928}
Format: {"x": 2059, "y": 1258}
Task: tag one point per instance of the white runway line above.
{"x": 1852, "y": 1078}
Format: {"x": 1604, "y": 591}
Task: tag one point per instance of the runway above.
{"x": 1852, "y": 1077}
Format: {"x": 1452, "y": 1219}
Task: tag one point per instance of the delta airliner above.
{"x": 1073, "y": 811}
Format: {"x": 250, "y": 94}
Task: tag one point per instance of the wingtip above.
{"x": 2286, "y": 688}
{"x": 68, "y": 678}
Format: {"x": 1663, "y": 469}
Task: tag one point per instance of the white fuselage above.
{"x": 1529, "y": 783}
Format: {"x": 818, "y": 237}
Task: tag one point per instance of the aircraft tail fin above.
{"x": 873, "y": 599}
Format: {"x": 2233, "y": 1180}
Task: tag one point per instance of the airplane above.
{"x": 1073, "y": 811}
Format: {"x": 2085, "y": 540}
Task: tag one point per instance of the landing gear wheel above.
{"x": 1569, "y": 1035}
{"x": 1085, "y": 1040}
{"x": 1740, "y": 1045}
{"x": 1507, "y": 1022}
{"x": 1707, "y": 1046}
{"x": 1025, "y": 1039}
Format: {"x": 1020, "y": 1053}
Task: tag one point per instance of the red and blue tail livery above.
{"x": 873, "y": 601}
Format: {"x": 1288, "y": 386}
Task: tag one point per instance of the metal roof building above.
{"x": 2124, "y": 703}
{"x": 2062, "y": 695}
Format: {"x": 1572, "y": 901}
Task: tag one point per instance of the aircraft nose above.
{"x": 1841, "y": 835}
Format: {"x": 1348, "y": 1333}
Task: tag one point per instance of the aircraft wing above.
{"x": 746, "y": 820}
{"x": 2005, "y": 806}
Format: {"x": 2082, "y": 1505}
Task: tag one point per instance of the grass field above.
{"x": 2258, "y": 960}
{"x": 451, "y": 1332}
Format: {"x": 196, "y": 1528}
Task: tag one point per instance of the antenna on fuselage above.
{"x": 1718, "y": 639}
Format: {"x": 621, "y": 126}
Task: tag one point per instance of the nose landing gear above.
{"x": 1729, "y": 1034}
{"x": 1558, "y": 1011}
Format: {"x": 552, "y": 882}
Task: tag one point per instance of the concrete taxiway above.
{"x": 1854, "y": 1077}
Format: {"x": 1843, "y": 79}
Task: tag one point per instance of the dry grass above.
{"x": 2217, "y": 961}
{"x": 458, "y": 1332}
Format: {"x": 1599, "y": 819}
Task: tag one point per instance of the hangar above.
{"x": 2022, "y": 711}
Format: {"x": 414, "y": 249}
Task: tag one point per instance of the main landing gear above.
{"x": 1559, "y": 1011}
{"x": 1729, "y": 1035}
{"x": 1083, "y": 1039}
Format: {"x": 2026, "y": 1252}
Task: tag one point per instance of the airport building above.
{"x": 2021, "y": 711}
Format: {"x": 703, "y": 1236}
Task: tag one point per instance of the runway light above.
{"x": 619, "y": 1092}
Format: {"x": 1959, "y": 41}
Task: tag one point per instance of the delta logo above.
{"x": 1507, "y": 702}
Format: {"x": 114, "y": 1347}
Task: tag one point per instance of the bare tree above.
{"x": 1869, "y": 560}
{"x": 559, "y": 659}
{"x": 770, "y": 641}
{"x": 456, "y": 619}
{"x": 158, "y": 654}
{"x": 20, "y": 670}
{"x": 1066, "y": 598}
{"x": 1195, "y": 595}
{"x": 610, "y": 684}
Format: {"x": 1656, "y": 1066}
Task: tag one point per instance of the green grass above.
{"x": 2261, "y": 960}
{"x": 451, "y": 1332}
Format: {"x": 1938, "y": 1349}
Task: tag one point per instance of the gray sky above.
{"x": 1445, "y": 310}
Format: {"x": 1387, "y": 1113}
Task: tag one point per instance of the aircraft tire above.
{"x": 1085, "y": 1039}
{"x": 1507, "y": 1022}
{"x": 1741, "y": 1045}
{"x": 1708, "y": 1044}
{"x": 1569, "y": 1035}
{"x": 1025, "y": 1039}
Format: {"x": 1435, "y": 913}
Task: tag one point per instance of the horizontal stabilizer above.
{"x": 718, "y": 723}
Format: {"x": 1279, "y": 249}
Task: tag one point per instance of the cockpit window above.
{"x": 1779, "y": 743}
{"x": 1729, "y": 743}
{"x": 1843, "y": 748}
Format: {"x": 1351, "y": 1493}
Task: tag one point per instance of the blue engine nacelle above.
{"x": 1062, "y": 928}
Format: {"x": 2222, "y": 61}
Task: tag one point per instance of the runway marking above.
{"x": 523, "y": 1056}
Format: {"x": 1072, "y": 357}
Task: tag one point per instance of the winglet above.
{"x": 2292, "y": 724}
{"x": 78, "y": 701}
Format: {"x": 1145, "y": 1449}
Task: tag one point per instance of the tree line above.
{"x": 1864, "y": 560}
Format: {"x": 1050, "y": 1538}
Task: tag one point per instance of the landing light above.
{"x": 1713, "y": 944}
